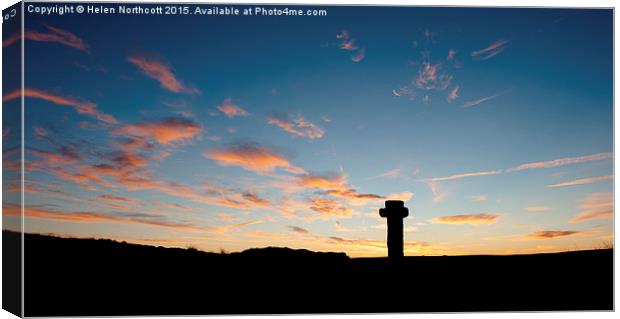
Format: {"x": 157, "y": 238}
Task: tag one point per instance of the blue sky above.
{"x": 495, "y": 125}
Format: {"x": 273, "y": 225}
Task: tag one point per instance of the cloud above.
{"x": 86, "y": 108}
{"x": 56, "y": 35}
{"x": 584, "y": 181}
{"x": 484, "y": 99}
{"x": 454, "y": 94}
{"x": 298, "y": 229}
{"x": 492, "y": 50}
{"x": 252, "y": 157}
{"x": 336, "y": 184}
{"x": 116, "y": 199}
{"x": 297, "y": 126}
{"x": 164, "y": 132}
{"x": 537, "y": 208}
{"x": 451, "y": 54}
{"x": 563, "y": 161}
{"x": 348, "y": 44}
{"x": 438, "y": 193}
{"x": 550, "y": 234}
{"x": 232, "y": 110}
{"x": 96, "y": 217}
{"x": 595, "y": 206}
{"x": 161, "y": 72}
{"x": 255, "y": 199}
{"x": 535, "y": 165}
{"x": 329, "y": 207}
{"x": 393, "y": 173}
{"x": 359, "y": 56}
{"x": 431, "y": 77}
{"x": 478, "y": 198}
{"x": 473, "y": 219}
{"x": 463, "y": 175}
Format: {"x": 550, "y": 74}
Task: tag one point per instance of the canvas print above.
{"x": 200, "y": 159}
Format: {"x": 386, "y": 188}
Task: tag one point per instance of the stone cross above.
{"x": 395, "y": 211}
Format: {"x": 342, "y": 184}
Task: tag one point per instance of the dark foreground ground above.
{"x": 84, "y": 277}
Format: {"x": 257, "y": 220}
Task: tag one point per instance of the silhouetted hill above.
{"x": 66, "y": 276}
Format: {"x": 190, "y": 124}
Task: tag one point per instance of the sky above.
{"x": 227, "y": 133}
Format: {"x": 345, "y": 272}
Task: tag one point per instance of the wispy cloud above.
{"x": 454, "y": 94}
{"x": 492, "y": 50}
{"x": 595, "y": 206}
{"x": 484, "y": 99}
{"x": 298, "y": 229}
{"x": 393, "y": 173}
{"x": 82, "y": 107}
{"x": 164, "y": 131}
{"x": 252, "y": 157}
{"x": 584, "y": 181}
{"x": 472, "y": 219}
{"x": 535, "y": 165}
{"x": 551, "y": 234}
{"x": 297, "y": 126}
{"x": 97, "y": 217}
{"x": 329, "y": 207}
{"x": 231, "y": 109}
{"x": 431, "y": 77}
{"x": 478, "y": 198}
{"x": 463, "y": 175}
{"x": 359, "y": 56}
{"x": 537, "y": 208}
{"x": 348, "y": 44}
{"x": 160, "y": 71}
{"x": 55, "y": 34}
{"x": 563, "y": 161}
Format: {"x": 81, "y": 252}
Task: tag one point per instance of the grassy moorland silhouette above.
{"x": 70, "y": 276}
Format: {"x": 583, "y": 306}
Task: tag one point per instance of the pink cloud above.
{"x": 492, "y": 50}
{"x": 232, "y": 110}
{"x": 359, "y": 56}
{"x": 56, "y": 35}
{"x": 551, "y": 234}
{"x": 484, "y": 99}
{"x": 161, "y": 72}
{"x": 595, "y": 206}
{"x": 297, "y": 126}
{"x": 86, "y": 108}
{"x": 454, "y": 94}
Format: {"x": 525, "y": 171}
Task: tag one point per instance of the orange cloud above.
{"x": 95, "y": 217}
{"x": 492, "y": 50}
{"x": 164, "y": 131}
{"x": 297, "y": 126}
{"x": 564, "y": 161}
{"x": 329, "y": 207}
{"x": 161, "y": 72}
{"x": 484, "y": 99}
{"x": 430, "y": 77}
{"x": 584, "y": 181}
{"x": 473, "y": 219}
{"x": 86, "y": 108}
{"x": 232, "y": 110}
{"x": 596, "y": 206}
{"x": 252, "y": 157}
{"x": 56, "y": 35}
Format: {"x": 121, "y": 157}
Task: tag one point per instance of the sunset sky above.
{"x": 494, "y": 125}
